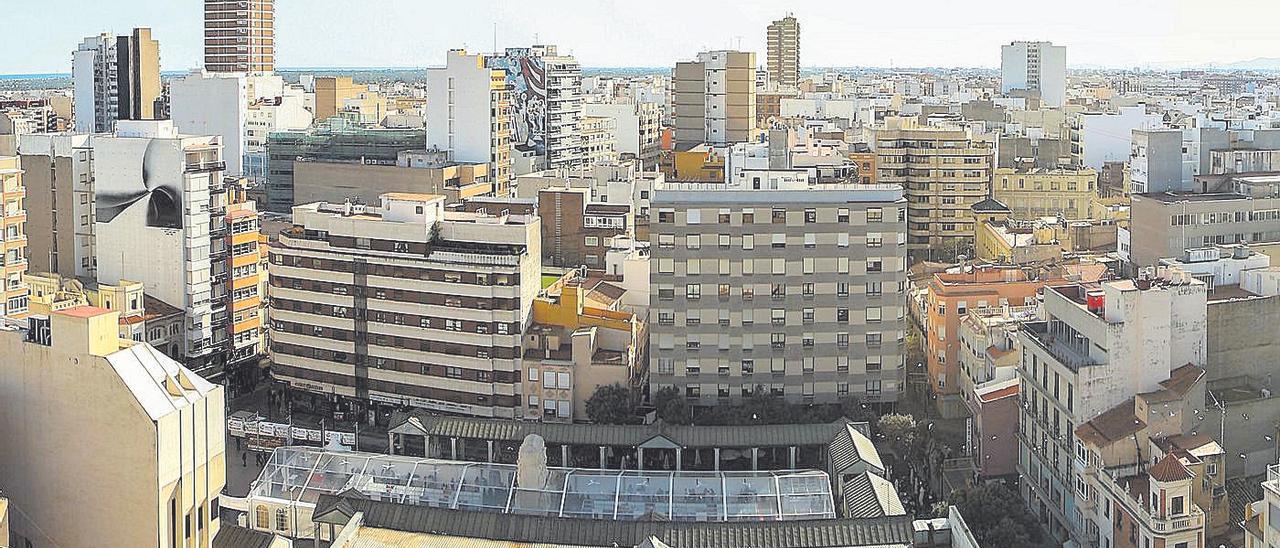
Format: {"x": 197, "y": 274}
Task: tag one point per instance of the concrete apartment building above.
{"x": 414, "y": 172}
{"x": 58, "y": 175}
{"x": 795, "y": 290}
{"x": 635, "y": 129}
{"x": 241, "y": 110}
{"x": 579, "y": 341}
{"x": 783, "y": 37}
{"x": 142, "y": 318}
{"x": 152, "y": 445}
{"x": 332, "y": 140}
{"x": 1097, "y": 345}
{"x": 1262, "y": 523}
{"x": 1039, "y": 67}
{"x": 13, "y": 239}
{"x": 115, "y": 78}
{"x": 944, "y": 172}
{"x": 404, "y": 303}
{"x": 714, "y": 99}
{"x": 1233, "y": 208}
{"x": 597, "y": 138}
{"x": 989, "y": 357}
{"x": 469, "y": 114}
{"x": 1159, "y": 162}
{"x": 170, "y": 213}
{"x": 1034, "y": 193}
{"x": 578, "y": 231}
{"x": 949, "y": 298}
{"x": 544, "y": 94}
{"x": 623, "y": 182}
{"x": 239, "y": 36}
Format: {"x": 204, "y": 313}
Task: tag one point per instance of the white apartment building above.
{"x": 154, "y": 193}
{"x": 622, "y": 182}
{"x": 597, "y": 135}
{"x": 107, "y": 442}
{"x": 795, "y": 290}
{"x": 1101, "y": 137}
{"x": 404, "y": 303}
{"x": 241, "y": 110}
{"x": 636, "y": 126}
{"x": 1097, "y": 345}
{"x": 468, "y": 114}
{"x": 93, "y": 74}
{"x": 1035, "y": 66}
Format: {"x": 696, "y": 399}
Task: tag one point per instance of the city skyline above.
{"x": 1170, "y": 36}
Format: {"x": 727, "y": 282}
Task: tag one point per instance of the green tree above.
{"x": 996, "y": 516}
{"x": 672, "y": 407}
{"x": 900, "y": 431}
{"x": 612, "y": 404}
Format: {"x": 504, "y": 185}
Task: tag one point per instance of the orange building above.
{"x": 949, "y": 298}
{"x": 866, "y": 162}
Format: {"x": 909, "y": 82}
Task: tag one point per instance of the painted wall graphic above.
{"x": 527, "y": 87}
{"x": 144, "y": 178}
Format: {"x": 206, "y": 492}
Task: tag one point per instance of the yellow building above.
{"x": 142, "y": 466}
{"x": 579, "y": 341}
{"x": 701, "y": 163}
{"x": 1043, "y": 192}
{"x": 13, "y": 239}
{"x": 142, "y": 318}
{"x": 338, "y": 94}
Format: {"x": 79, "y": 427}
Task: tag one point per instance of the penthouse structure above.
{"x": 404, "y": 303}
{"x": 797, "y": 290}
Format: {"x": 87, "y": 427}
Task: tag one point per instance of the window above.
{"x": 666, "y": 216}
{"x": 779, "y": 215}
{"x": 875, "y": 215}
{"x": 666, "y": 317}
{"x": 873, "y": 313}
{"x": 842, "y": 315}
{"x": 748, "y": 292}
{"x": 453, "y": 325}
{"x": 748, "y": 241}
{"x": 807, "y": 290}
{"x": 810, "y": 240}
{"x": 873, "y": 289}
{"x": 779, "y": 266}
{"x": 748, "y": 367}
{"x": 842, "y": 239}
{"x": 723, "y": 217}
{"x": 807, "y": 364}
{"x": 842, "y": 389}
{"x": 842, "y": 215}
{"x": 806, "y": 340}
{"x": 810, "y": 215}
{"x": 692, "y": 318}
{"x": 808, "y": 264}
{"x": 873, "y": 339}
{"x": 692, "y": 391}
{"x": 693, "y": 292}
{"x": 724, "y": 241}
{"x": 666, "y": 366}
{"x": 873, "y": 363}
{"x": 723, "y": 291}
{"x": 262, "y": 517}
{"x": 693, "y": 241}
{"x": 779, "y": 241}
{"x": 748, "y": 216}
{"x": 693, "y": 267}
{"x": 778, "y": 340}
{"x": 807, "y": 315}
{"x": 875, "y": 240}
{"x": 1176, "y": 505}
{"x": 692, "y": 368}
{"x": 873, "y": 388}
{"x": 874, "y": 265}
{"x": 666, "y": 241}
{"x": 842, "y": 364}
{"x": 282, "y": 519}
{"x": 842, "y": 289}
{"x": 842, "y": 340}
{"x": 693, "y": 216}
{"x": 778, "y": 316}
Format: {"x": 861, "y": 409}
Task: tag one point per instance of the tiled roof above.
{"x": 233, "y": 536}
{"x": 885, "y": 531}
{"x": 868, "y": 495}
{"x": 1112, "y": 425}
{"x": 620, "y": 435}
{"x": 1169, "y": 469}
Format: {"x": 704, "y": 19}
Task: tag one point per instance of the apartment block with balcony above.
{"x": 989, "y": 355}
{"x": 1096, "y": 346}
{"x": 13, "y": 238}
{"x": 798, "y": 291}
{"x": 578, "y": 232}
{"x": 784, "y": 52}
{"x": 469, "y": 114}
{"x": 239, "y": 36}
{"x": 579, "y": 340}
{"x": 404, "y": 303}
{"x": 949, "y": 299}
{"x": 714, "y": 99}
{"x": 944, "y": 172}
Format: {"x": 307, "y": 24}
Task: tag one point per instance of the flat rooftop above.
{"x": 1176, "y": 197}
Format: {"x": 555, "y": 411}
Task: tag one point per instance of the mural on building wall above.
{"x": 526, "y": 86}
{"x": 142, "y": 181}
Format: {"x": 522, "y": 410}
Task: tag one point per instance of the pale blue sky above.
{"x": 38, "y": 35}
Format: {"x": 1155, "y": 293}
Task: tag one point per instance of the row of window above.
{"x": 778, "y": 316}
{"x": 777, "y": 341}
{"x": 872, "y": 388}
{"x": 777, "y": 215}
{"x": 748, "y": 241}
{"x": 777, "y": 291}
{"x": 777, "y": 266}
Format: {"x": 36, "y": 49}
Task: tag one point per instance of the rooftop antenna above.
{"x": 495, "y": 37}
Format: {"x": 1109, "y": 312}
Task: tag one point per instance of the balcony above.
{"x": 1058, "y": 346}
{"x": 1110, "y": 481}
{"x": 198, "y": 167}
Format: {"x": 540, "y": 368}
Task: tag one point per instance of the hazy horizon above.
{"x": 407, "y": 34}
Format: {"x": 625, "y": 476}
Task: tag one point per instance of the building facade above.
{"x": 1035, "y": 66}
{"x": 544, "y": 94}
{"x": 635, "y": 130}
{"x": 404, "y": 304}
{"x": 1034, "y": 193}
{"x": 13, "y": 239}
{"x": 115, "y": 78}
{"x": 578, "y": 231}
{"x": 944, "y": 172}
{"x": 239, "y": 36}
{"x": 469, "y": 114}
{"x": 714, "y": 99}
{"x": 58, "y": 175}
{"x": 798, "y": 291}
{"x": 156, "y": 433}
{"x": 783, "y": 39}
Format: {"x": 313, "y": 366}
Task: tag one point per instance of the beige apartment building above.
{"x": 58, "y": 175}
{"x": 1237, "y": 208}
{"x": 715, "y": 99}
{"x": 415, "y": 172}
{"x": 144, "y": 467}
{"x": 784, "y": 51}
{"x": 404, "y": 303}
{"x": 944, "y": 171}
{"x": 798, "y": 291}
{"x": 1032, "y": 193}
{"x": 13, "y": 239}
{"x": 239, "y": 35}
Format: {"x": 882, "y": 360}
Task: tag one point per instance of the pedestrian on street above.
{"x": 237, "y": 443}
{"x": 244, "y": 460}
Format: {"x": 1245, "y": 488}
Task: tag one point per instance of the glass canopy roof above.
{"x": 302, "y": 474}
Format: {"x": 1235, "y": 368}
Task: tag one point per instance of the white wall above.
{"x": 212, "y": 104}
{"x": 626, "y": 131}
{"x": 1109, "y": 137}
{"x": 466, "y": 131}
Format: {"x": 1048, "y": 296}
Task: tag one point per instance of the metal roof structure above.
{"x": 880, "y": 532}
{"x": 301, "y": 475}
